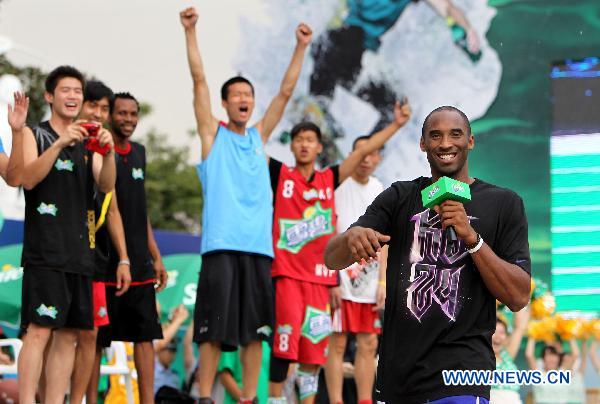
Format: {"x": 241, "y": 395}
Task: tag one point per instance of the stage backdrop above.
{"x": 403, "y": 48}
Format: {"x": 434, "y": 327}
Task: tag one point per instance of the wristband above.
{"x": 382, "y": 283}
{"x": 124, "y": 262}
{"x": 472, "y": 249}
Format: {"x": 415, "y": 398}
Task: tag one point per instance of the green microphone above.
{"x": 444, "y": 189}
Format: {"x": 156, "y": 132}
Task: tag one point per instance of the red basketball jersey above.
{"x": 304, "y": 221}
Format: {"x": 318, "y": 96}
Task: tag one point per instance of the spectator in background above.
{"x": 230, "y": 376}
{"x": 506, "y": 346}
{"x": 166, "y": 348}
{"x": 361, "y": 294}
{"x": 554, "y": 359}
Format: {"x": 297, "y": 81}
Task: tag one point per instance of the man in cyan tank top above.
{"x": 58, "y": 173}
{"x": 234, "y": 305}
{"x": 303, "y": 222}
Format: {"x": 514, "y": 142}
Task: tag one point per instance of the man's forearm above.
{"x": 152, "y": 245}
{"x": 193, "y": 56}
{"x": 458, "y": 16}
{"x": 38, "y": 169}
{"x": 507, "y": 282}
{"x": 108, "y": 173}
{"x": 114, "y": 222}
{"x": 293, "y": 71}
{"x": 337, "y": 253}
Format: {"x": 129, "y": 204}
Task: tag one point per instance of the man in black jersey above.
{"x": 440, "y": 312}
{"x": 58, "y": 174}
{"x": 95, "y": 109}
{"x": 133, "y": 316}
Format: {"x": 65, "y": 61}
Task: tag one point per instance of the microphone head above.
{"x": 444, "y": 189}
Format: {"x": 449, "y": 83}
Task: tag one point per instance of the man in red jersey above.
{"x": 304, "y": 221}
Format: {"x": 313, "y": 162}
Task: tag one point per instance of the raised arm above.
{"x": 575, "y": 353}
{"x": 594, "y": 355}
{"x": 520, "y": 327}
{"x": 275, "y": 110}
{"x": 178, "y": 317}
{"x": 36, "y": 168}
{"x": 530, "y": 354}
{"x": 104, "y": 167}
{"x": 17, "y": 117}
{"x": 206, "y": 123}
{"x": 447, "y": 10}
{"x": 402, "y": 114}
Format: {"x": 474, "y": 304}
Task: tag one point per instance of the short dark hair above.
{"x": 123, "y": 96}
{"x": 500, "y": 321}
{"x": 303, "y": 127}
{"x": 364, "y": 137}
{"x": 230, "y": 82}
{"x": 446, "y": 108}
{"x": 95, "y": 90}
{"x": 60, "y": 73}
{"x": 548, "y": 349}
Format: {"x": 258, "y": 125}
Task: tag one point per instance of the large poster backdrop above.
{"x": 506, "y": 92}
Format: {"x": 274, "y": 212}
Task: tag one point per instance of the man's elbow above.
{"x": 106, "y": 186}
{"x": 28, "y": 183}
{"x": 286, "y": 92}
{"x": 518, "y": 302}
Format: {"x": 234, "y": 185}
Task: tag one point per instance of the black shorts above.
{"x": 56, "y": 299}
{"x": 234, "y": 301}
{"x": 133, "y": 316}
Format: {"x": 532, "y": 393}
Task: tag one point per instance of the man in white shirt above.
{"x": 361, "y": 294}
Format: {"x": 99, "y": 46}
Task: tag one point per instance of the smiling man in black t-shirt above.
{"x": 440, "y": 311}
{"x": 58, "y": 174}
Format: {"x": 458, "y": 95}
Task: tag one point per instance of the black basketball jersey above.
{"x": 131, "y": 198}
{"x": 59, "y": 226}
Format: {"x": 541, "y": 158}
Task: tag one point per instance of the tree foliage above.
{"x": 32, "y": 79}
{"x": 173, "y": 189}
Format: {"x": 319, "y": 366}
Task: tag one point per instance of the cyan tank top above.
{"x": 238, "y": 200}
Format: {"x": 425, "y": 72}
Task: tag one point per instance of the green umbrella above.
{"x": 11, "y": 278}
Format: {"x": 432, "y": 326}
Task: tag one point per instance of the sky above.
{"x": 131, "y": 45}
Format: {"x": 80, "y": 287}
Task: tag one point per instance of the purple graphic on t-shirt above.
{"x": 436, "y": 266}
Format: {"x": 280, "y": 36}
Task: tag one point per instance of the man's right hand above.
{"x": 364, "y": 243}
{"x": 123, "y": 279}
{"x": 17, "y": 115}
{"x": 335, "y": 297}
{"x": 188, "y": 17}
{"x": 74, "y": 133}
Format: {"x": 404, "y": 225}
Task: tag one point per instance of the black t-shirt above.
{"x": 439, "y": 314}
{"x": 59, "y": 227}
{"x": 131, "y": 198}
